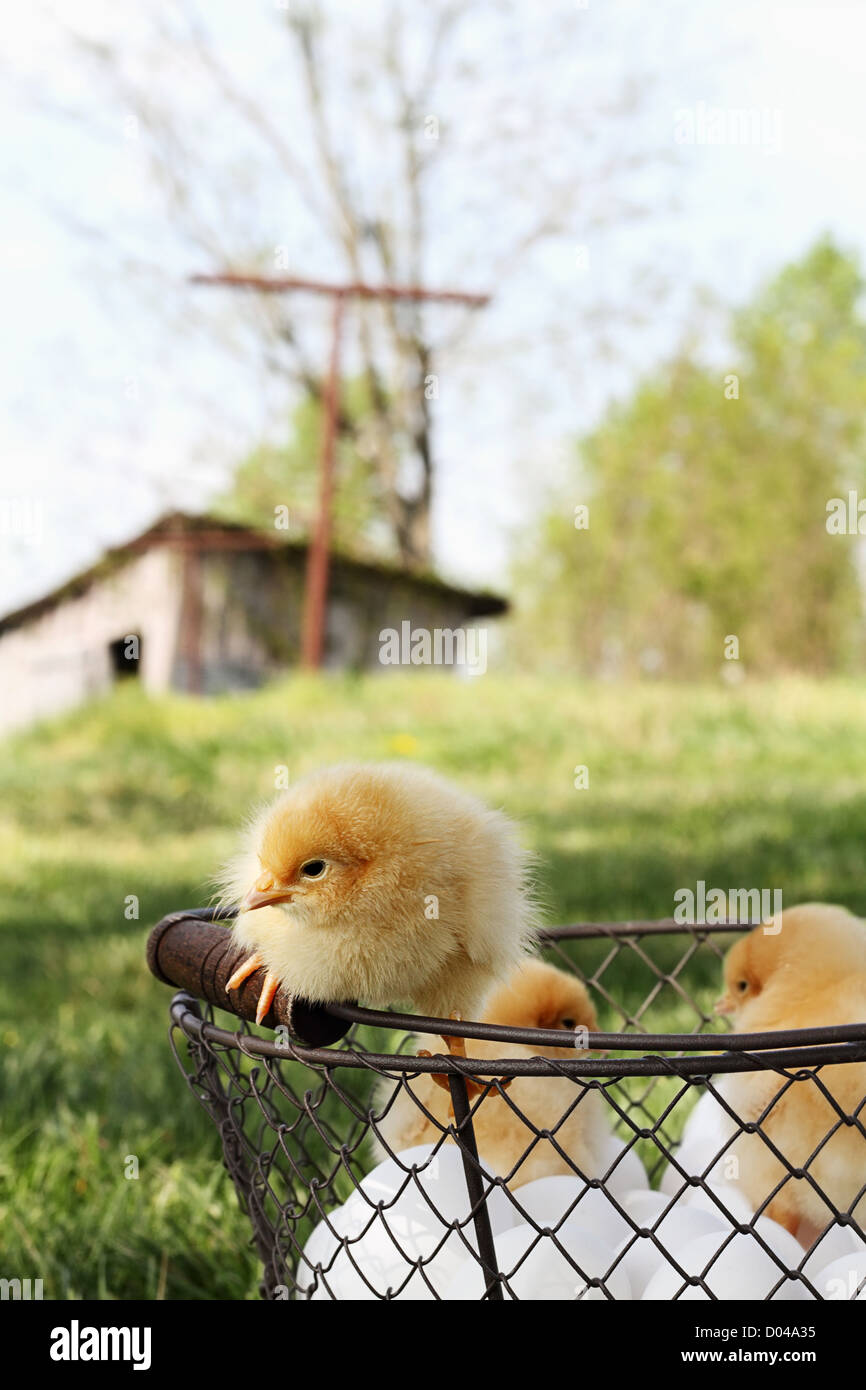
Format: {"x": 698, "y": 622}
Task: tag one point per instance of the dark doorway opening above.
{"x": 125, "y": 656}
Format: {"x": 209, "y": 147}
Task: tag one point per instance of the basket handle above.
{"x": 189, "y": 951}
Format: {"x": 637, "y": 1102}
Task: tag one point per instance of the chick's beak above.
{"x": 725, "y": 1005}
{"x": 265, "y": 893}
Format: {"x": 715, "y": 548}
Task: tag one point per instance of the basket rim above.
{"x": 186, "y": 1015}
{"x": 801, "y": 1040}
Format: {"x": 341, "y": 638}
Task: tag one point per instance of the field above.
{"x": 130, "y": 805}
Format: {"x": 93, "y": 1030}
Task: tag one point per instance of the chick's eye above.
{"x": 742, "y": 986}
{"x": 314, "y": 868}
{"x": 567, "y": 1022}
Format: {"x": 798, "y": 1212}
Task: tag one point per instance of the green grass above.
{"x": 762, "y": 785}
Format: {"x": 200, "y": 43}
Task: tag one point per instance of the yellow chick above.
{"x": 385, "y": 884}
{"x": 810, "y": 974}
{"x": 535, "y": 996}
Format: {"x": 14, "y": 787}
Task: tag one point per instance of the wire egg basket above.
{"x": 302, "y": 1108}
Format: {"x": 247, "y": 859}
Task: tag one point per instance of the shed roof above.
{"x": 183, "y": 530}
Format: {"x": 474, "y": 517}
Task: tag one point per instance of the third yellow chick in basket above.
{"x": 809, "y": 974}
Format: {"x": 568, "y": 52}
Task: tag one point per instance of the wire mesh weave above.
{"x": 301, "y": 1128}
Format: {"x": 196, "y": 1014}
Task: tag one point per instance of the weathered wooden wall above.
{"x": 62, "y": 657}
{"x": 209, "y": 621}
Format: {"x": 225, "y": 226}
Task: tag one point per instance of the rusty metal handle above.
{"x": 190, "y": 951}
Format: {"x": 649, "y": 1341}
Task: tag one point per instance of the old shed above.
{"x": 202, "y": 605}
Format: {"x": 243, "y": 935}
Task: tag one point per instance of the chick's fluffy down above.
{"x": 425, "y": 901}
{"x": 810, "y": 974}
{"x": 536, "y": 996}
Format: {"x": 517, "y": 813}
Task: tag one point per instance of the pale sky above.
{"x": 106, "y": 423}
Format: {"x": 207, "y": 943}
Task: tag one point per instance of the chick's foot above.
{"x": 269, "y": 988}
{"x": 457, "y": 1048}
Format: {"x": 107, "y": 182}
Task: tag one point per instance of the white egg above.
{"x": 546, "y": 1200}
{"x": 321, "y": 1244}
{"x": 842, "y": 1279}
{"x": 629, "y": 1172}
{"x": 544, "y": 1274}
{"x": 709, "y": 1123}
{"x": 383, "y": 1246}
{"x": 835, "y": 1242}
{"x": 742, "y": 1270}
{"x": 441, "y": 1177}
{"x": 705, "y": 1148}
{"x": 643, "y": 1205}
{"x": 736, "y": 1204}
{"x": 371, "y": 1265}
{"x": 700, "y": 1158}
{"x": 390, "y": 1173}
{"x": 672, "y": 1180}
{"x": 642, "y": 1257}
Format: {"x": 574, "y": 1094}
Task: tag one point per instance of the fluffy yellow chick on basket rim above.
{"x": 382, "y": 883}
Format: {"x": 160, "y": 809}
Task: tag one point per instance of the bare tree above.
{"x": 440, "y": 143}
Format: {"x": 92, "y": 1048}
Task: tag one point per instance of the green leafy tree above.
{"x": 287, "y": 475}
{"x": 707, "y": 495}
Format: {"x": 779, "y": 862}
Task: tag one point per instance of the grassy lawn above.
{"x": 764, "y": 785}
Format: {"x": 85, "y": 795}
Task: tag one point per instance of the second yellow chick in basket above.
{"x": 536, "y": 995}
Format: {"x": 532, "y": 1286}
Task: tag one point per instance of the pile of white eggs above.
{"x": 743, "y": 1269}
{"x": 392, "y": 1237}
